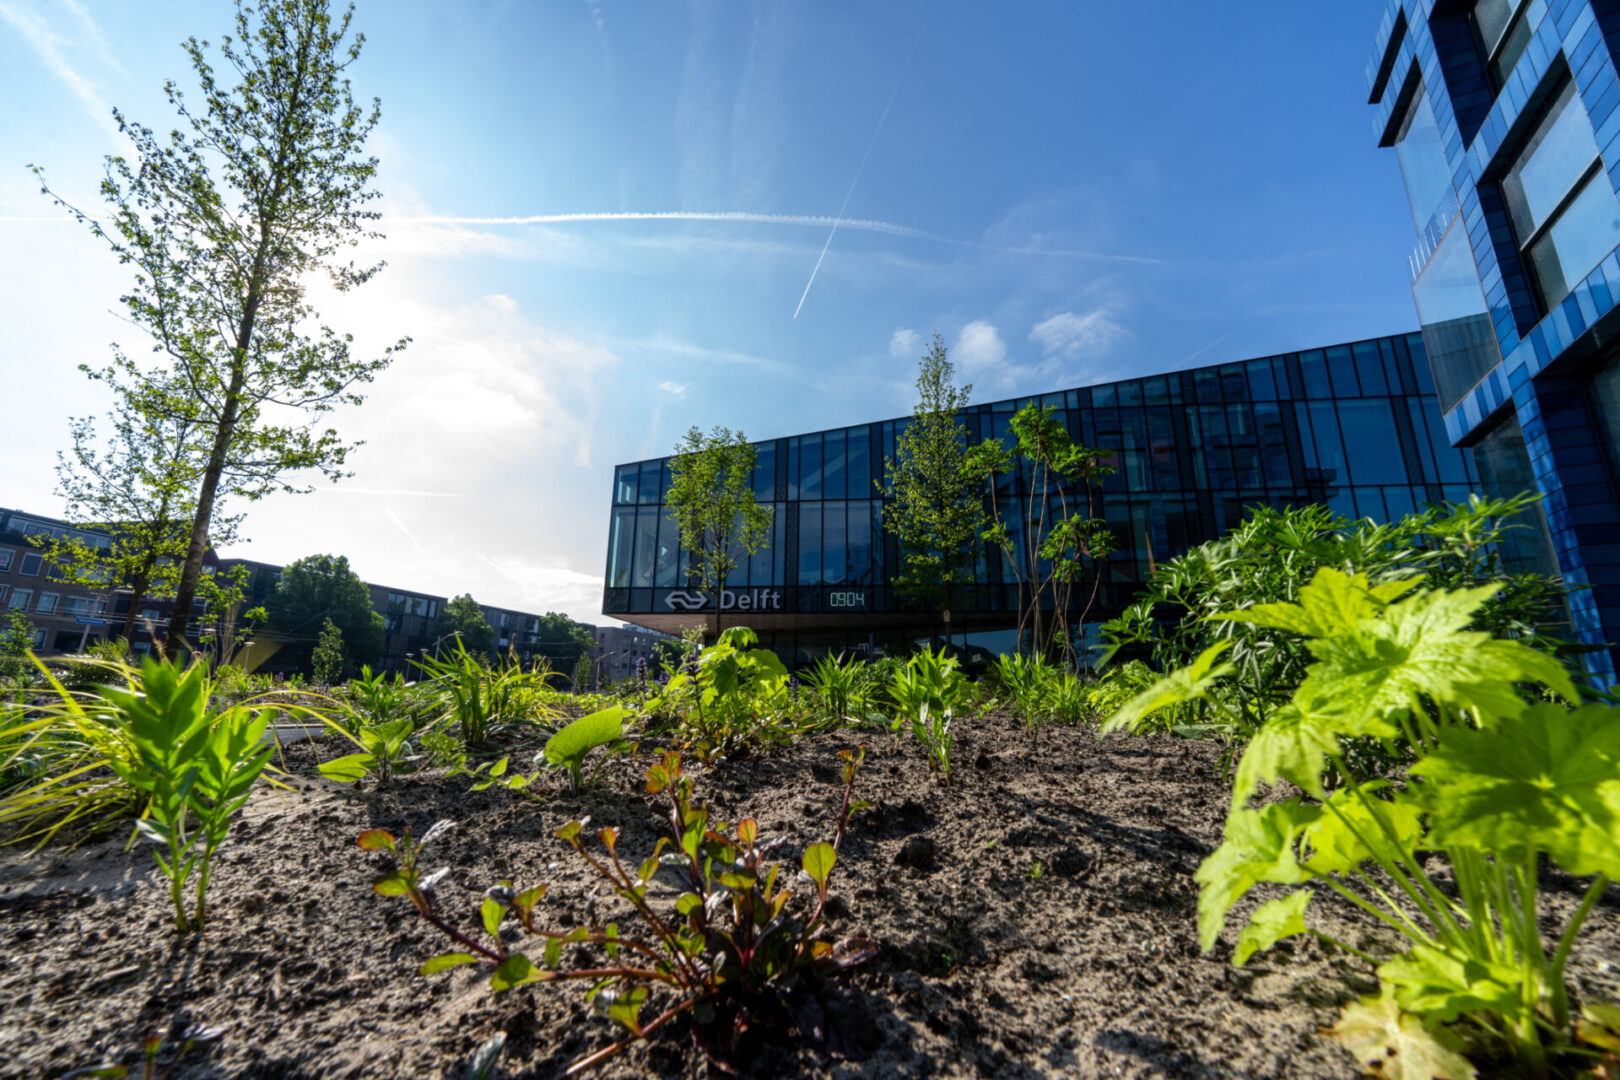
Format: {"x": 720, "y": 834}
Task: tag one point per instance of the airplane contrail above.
{"x": 814, "y": 270}
{"x": 816, "y": 221}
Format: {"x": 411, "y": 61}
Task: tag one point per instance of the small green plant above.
{"x": 383, "y": 749}
{"x": 1026, "y": 679}
{"x": 481, "y": 699}
{"x": 1035, "y": 870}
{"x": 728, "y": 697}
{"x": 842, "y": 690}
{"x": 736, "y": 953}
{"x": 1499, "y": 784}
{"x": 926, "y": 693}
{"x": 569, "y": 746}
{"x": 195, "y": 769}
{"x": 326, "y": 661}
{"x": 1068, "y": 699}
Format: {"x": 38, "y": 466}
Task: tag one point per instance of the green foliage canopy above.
{"x": 711, "y": 498}
{"x": 320, "y": 588}
{"x": 463, "y": 616}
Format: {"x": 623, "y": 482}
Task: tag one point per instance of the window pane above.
{"x": 1587, "y": 230}
{"x": 624, "y": 485}
{"x": 1491, "y": 17}
{"x": 860, "y": 465}
{"x": 1518, "y": 38}
{"x": 30, "y": 565}
{"x": 810, "y": 467}
{"x": 1329, "y": 450}
{"x": 765, "y": 472}
{"x": 1314, "y": 370}
{"x": 1461, "y": 342}
{"x": 1370, "y": 369}
{"x": 860, "y": 543}
{"x": 649, "y": 481}
{"x": 669, "y": 542}
{"x": 47, "y": 603}
{"x": 810, "y": 544}
{"x": 646, "y": 540}
{"x": 1343, "y": 372}
{"x": 1369, "y": 428}
{"x": 1556, "y": 156}
{"x": 1423, "y": 159}
{"x": 835, "y": 569}
{"x": 1261, "y": 385}
{"x": 834, "y": 466}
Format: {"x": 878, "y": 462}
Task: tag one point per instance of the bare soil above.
{"x": 1036, "y": 920}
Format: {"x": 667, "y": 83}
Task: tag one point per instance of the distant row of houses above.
{"x": 68, "y": 618}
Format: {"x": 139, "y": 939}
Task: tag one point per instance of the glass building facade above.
{"x": 1355, "y": 426}
{"x": 1505, "y": 120}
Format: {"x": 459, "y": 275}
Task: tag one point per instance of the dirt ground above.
{"x": 1088, "y": 967}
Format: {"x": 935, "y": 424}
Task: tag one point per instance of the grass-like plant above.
{"x": 1026, "y": 679}
{"x": 195, "y": 768}
{"x": 1500, "y": 784}
{"x": 736, "y": 953}
{"x": 480, "y": 699}
{"x": 927, "y": 693}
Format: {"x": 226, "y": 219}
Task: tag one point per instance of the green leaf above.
{"x": 1543, "y": 779}
{"x": 445, "y": 961}
{"x": 1259, "y": 846}
{"x": 687, "y": 903}
{"x": 1331, "y": 601}
{"x": 1339, "y": 840}
{"x": 492, "y": 914}
{"x": 553, "y": 952}
{"x": 570, "y": 745}
{"x": 739, "y": 880}
{"x": 1397, "y": 1045}
{"x": 1292, "y": 745}
{"x": 1191, "y": 683}
{"x": 1436, "y": 985}
{"x": 516, "y": 970}
{"x": 818, "y": 862}
{"x": 349, "y": 768}
{"x": 498, "y": 769}
{"x": 392, "y": 883}
{"x": 376, "y": 840}
{"x": 1270, "y": 923}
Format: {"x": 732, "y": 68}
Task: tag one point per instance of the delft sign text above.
{"x": 730, "y": 600}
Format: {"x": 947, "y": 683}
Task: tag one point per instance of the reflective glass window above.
{"x": 1102, "y": 397}
{"x": 1273, "y": 444}
{"x": 835, "y": 568}
{"x": 765, "y": 472}
{"x": 1261, "y": 385}
{"x": 1556, "y": 156}
{"x": 1456, "y": 324}
{"x": 1399, "y": 503}
{"x": 810, "y": 544}
{"x": 1155, "y": 392}
{"x": 879, "y": 542}
{"x": 624, "y": 484}
{"x": 1207, "y": 386}
{"x": 1586, "y": 231}
{"x": 1234, "y": 383}
{"x": 1130, "y": 393}
{"x": 1423, "y": 159}
{"x": 810, "y": 467}
{"x": 860, "y": 542}
{"x": 641, "y": 575}
{"x": 1313, "y": 368}
{"x": 1329, "y": 450}
{"x": 651, "y": 473}
{"x": 1370, "y": 369}
{"x": 1502, "y": 36}
{"x": 1307, "y": 443}
{"x": 1342, "y": 370}
{"x": 1162, "y": 447}
{"x": 1369, "y": 427}
{"x": 860, "y": 465}
{"x": 669, "y": 543}
{"x": 1245, "y": 446}
{"x": 620, "y": 545}
{"x": 1370, "y": 503}
{"x": 759, "y": 567}
{"x": 834, "y": 467}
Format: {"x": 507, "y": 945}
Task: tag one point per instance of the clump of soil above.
{"x": 1036, "y": 920}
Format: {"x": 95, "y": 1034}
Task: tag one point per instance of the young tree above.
{"x": 562, "y": 641}
{"x": 1057, "y": 537}
{"x": 139, "y": 488}
{"x": 327, "y": 660}
{"x": 462, "y": 616}
{"x": 261, "y": 186}
{"x": 937, "y": 512}
{"x": 711, "y": 498}
{"x": 320, "y": 588}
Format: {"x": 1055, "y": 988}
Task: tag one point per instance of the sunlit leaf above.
{"x": 1347, "y": 834}
{"x": 446, "y": 960}
{"x": 1191, "y": 683}
{"x": 1397, "y": 1044}
{"x": 349, "y": 768}
{"x": 1270, "y": 923}
{"x": 1259, "y": 846}
{"x": 818, "y": 862}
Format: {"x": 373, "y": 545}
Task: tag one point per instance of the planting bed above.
{"x": 1087, "y": 967}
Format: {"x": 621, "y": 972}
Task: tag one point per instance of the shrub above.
{"x": 728, "y": 697}
{"x": 1499, "y": 784}
{"x": 735, "y": 953}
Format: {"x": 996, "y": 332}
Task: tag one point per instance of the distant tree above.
{"x": 937, "y": 510}
{"x": 327, "y": 660}
{"x": 462, "y": 616}
{"x": 138, "y": 485}
{"x": 318, "y": 588}
{"x": 226, "y": 220}
{"x": 562, "y": 641}
{"x": 582, "y": 673}
{"x": 711, "y": 498}
{"x": 16, "y": 638}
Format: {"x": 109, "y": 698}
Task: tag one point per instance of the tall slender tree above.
{"x": 261, "y": 185}
{"x": 937, "y": 506}
{"x": 711, "y": 498}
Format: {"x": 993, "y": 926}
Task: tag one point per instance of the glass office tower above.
{"x": 1503, "y": 116}
{"x": 1355, "y": 426}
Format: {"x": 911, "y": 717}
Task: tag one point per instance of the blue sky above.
{"x": 1068, "y": 192}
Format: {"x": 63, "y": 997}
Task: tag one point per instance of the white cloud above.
{"x": 903, "y": 345}
{"x": 48, "y": 44}
{"x": 1071, "y": 337}
{"x": 979, "y": 347}
{"x": 676, "y": 388}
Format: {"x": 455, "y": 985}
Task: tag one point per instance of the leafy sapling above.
{"x": 736, "y": 952}
{"x": 927, "y": 693}
{"x": 569, "y": 747}
{"x": 195, "y": 768}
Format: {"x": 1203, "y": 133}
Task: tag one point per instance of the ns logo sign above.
{"x": 730, "y": 600}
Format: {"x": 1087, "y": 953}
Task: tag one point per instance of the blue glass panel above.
{"x": 1329, "y": 450}
{"x": 1155, "y": 391}
{"x": 669, "y": 543}
{"x": 1586, "y": 231}
{"x": 1423, "y": 159}
{"x": 1102, "y": 397}
{"x": 1234, "y": 383}
{"x": 1162, "y": 445}
{"x": 624, "y": 484}
{"x": 621, "y": 546}
{"x": 1273, "y": 444}
{"x": 1456, "y": 323}
{"x": 759, "y": 566}
{"x": 765, "y": 472}
{"x": 860, "y": 465}
{"x": 1369, "y": 427}
{"x": 1418, "y": 409}
{"x": 793, "y": 468}
{"x": 1207, "y": 386}
{"x": 1342, "y": 369}
{"x": 641, "y": 575}
{"x": 1308, "y": 443}
{"x": 835, "y": 568}
{"x": 809, "y": 544}
{"x": 879, "y": 568}
{"x": 1550, "y": 163}
{"x": 1245, "y": 446}
{"x": 1399, "y": 502}
{"x": 1130, "y": 393}
{"x": 1370, "y": 369}
{"x": 810, "y": 471}
{"x": 651, "y": 473}
{"x": 860, "y": 542}
{"x": 1261, "y": 385}
{"x": 1314, "y": 370}
{"x": 834, "y": 467}
{"x": 1370, "y": 503}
